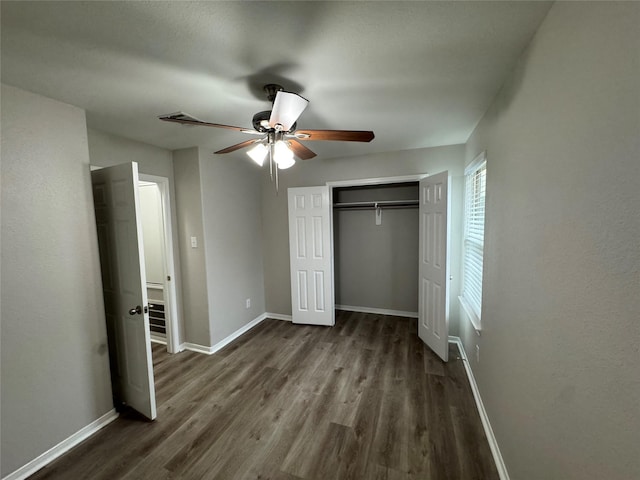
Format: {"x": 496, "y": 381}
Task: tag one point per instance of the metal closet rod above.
{"x": 379, "y": 204}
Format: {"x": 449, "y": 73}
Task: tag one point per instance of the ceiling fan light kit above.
{"x": 258, "y": 153}
{"x": 281, "y": 139}
{"x": 282, "y": 155}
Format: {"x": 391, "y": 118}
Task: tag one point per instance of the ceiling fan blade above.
{"x": 186, "y": 119}
{"x": 300, "y": 150}
{"x": 238, "y": 146}
{"x": 337, "y": 135}
{"x": 287, "y": 107}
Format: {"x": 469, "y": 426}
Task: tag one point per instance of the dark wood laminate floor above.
{"x": 362, "y": 400}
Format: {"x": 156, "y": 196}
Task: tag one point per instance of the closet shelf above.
{"x": 379, "y": 204}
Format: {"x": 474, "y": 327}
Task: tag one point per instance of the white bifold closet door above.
{"x": 310, "y": 255}
{"x": 433, "y": 304}
{"x": 311, "y": 259}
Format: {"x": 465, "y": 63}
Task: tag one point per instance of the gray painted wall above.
{"x": 376, "y": 266}
{"x": 107, "y": 150}
{"x": 233, "y": 242}
{"x": 152, "y": 232}
{"x": 559, "y": 365}
{"x": 318, "y": 172}
{"x": 186, "y": 167}
{"x": 55, "y": 367}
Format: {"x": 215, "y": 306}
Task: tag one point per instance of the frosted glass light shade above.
{"x": 282, "y": 155}
{"x": 286, "y": 163}
{"x": 258, "y": 153}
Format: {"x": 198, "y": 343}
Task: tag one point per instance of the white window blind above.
{"x": 475, "y": 191}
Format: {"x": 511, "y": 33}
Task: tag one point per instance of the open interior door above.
{"x": 433, "y": 304}
{"x": 310, "y": 256}
{"x": 115, "y": 196}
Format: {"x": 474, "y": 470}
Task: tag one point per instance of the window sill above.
{"x": 473, "y": 318}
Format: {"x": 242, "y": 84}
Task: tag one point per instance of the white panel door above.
{"x": 433, "y": 307}
{"x": 310, "y": 256}
{"x": 115, "y": 196}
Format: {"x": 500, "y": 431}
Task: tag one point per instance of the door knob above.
{"x": 137, "y": 310}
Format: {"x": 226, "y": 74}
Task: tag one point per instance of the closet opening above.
{"x": 385, "y": 255}
{"x": 376, "y": 247}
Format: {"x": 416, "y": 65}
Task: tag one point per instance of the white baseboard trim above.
{"x": 194, "y": 347}
{"x": 279, "y": 316}
{"x": 64, "y": 446}
{"x": 379, "y": 311}
{"x": 493, "y": 443}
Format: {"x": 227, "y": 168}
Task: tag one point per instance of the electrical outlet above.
{"x": 478, "y": 353}
{"x": 247, "y": 303}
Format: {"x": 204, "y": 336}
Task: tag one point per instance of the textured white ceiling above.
{"x": 418, "y": 74}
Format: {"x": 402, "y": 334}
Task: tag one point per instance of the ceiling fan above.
{"x": 277, "y": 130}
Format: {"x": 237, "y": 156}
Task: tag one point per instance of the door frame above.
{"x": 359, "y": 183}
{"x": 170, "y": 296}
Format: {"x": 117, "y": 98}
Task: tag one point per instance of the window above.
{"x": 473, "y": 241}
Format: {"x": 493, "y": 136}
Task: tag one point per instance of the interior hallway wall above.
{"x": 186, "y": 167}
{"x": 233, "y": 242}
{"x": 218, "y": 204}
{"x": 152, "y": 232}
